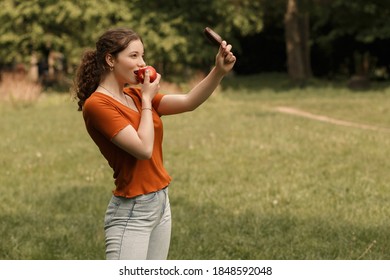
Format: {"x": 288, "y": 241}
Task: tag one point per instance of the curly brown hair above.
{"x": 93, "y": 64}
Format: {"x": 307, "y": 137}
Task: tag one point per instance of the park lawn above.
{"x": 248, "y": 182}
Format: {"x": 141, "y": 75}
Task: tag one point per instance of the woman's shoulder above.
{"x": 97, "y": 99}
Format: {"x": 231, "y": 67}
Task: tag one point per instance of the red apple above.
{"x": 140, "y": 74}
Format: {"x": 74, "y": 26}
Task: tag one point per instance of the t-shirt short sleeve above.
{"x": 156, "y": 101}
{"x": 103, "y": 116}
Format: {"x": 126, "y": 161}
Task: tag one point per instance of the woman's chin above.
{"x": 133, "y": 83}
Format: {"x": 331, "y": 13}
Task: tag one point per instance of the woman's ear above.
{"x": 110, "y": 61}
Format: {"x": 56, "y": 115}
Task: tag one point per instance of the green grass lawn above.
{"x": 249, "y": 182}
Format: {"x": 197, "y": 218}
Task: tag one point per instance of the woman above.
{"x": 125, "y": 124}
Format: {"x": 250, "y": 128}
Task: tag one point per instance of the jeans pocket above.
{"x": 119, "y": 208}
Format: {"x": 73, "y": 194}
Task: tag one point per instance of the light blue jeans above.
{"x": 138, "y": 228}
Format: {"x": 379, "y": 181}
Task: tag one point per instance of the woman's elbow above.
{"x": 141, "y": 152}
{"x": 145, "y": 154}
{"x": 190, "y": 107}
{"x": 144, "y": 157}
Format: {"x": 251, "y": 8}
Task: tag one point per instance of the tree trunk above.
{"x": 297, "y": 42}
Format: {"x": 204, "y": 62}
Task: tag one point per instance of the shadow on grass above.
{"x": 205, "y": 231}
{"x": 65, "y": 225}
{"x": 68, "y": 225}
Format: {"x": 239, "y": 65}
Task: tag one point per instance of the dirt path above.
{"x": 297, "y": 112}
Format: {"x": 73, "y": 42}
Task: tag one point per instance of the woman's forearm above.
{"x": 146, "y": 128}
{"x": 202, "y": 91}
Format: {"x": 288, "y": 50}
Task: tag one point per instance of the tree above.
{"x": 355, "y": 34}
{"x": 297, "y": 31}
{"x": 172, "y": 31}
{"x": 39, "y": 26}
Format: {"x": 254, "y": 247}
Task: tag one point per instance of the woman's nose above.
{"x": 141, "y": 63}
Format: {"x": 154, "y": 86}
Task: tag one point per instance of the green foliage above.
{"x": 366, "y": 21}
{"x": 66, "y": 26}
{"x": 171, "y": 30}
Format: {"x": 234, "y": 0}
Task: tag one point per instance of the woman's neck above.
{"x": 112, "y": 86}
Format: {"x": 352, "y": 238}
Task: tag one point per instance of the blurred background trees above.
{"x": 325, "y": 38}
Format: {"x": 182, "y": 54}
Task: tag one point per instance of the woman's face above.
{"x": 129, "y": 60}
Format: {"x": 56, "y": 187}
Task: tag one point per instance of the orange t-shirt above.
{"x": 104, "y": 117}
